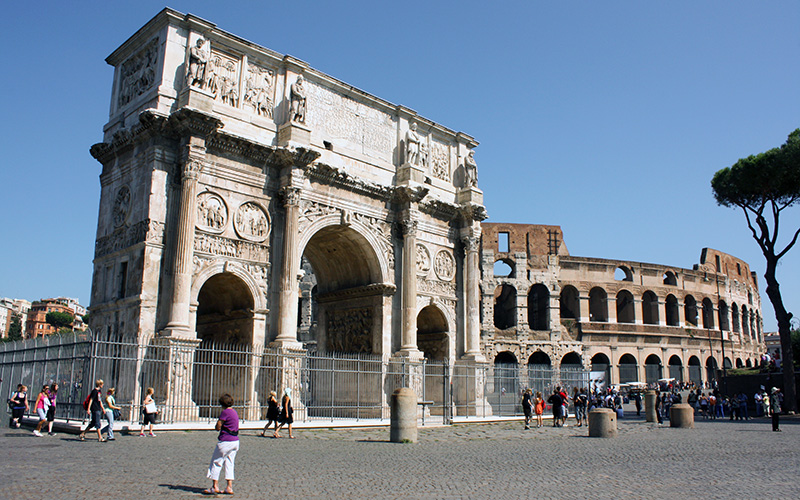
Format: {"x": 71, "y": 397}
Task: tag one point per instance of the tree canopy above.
{"x": 59, "y": 319}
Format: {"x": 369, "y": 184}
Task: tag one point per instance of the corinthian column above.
{"x": 290, "y": 267}
{"x": 178, "y": 325}
{"x": 408, "y": 338}
{"x": 472, "y": 335}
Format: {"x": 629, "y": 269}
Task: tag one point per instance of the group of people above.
{"x": 279, "y": 415}
{"x": 559, "y": 403}
{"x": 45, "y": 407}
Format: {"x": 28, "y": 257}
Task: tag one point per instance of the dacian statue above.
{"x": 412, "y": 145}
{"x": 470, "y": 171}
{"x": 298, "y": 97}
{"x": 198, "y": 58}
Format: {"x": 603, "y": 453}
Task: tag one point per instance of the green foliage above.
{"x": 796, "y": 346}
{"x": 15, "y": 329}
{"x": 85, "y": 318}
{"x": 59, "y": 319}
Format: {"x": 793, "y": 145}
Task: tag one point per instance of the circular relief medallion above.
{"x": 423, "y": 259}
{"x": 122, "y": 204}
{"x": 251, "y": 222}
{"x": 444, "y": 265}
{"x": 212, "y": 214}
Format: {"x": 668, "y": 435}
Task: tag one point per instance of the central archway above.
{"x": 349, "y": 293}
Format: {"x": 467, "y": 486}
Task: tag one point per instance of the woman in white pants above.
{"x": 227, "y": 446}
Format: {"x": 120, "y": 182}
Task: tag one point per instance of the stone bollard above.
{"x": 602, "y": 423}
{"x": 404, "y": 416}
{"x": 681, "y": 415}
{"x": 650, "y": 406}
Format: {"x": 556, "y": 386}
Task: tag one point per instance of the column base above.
{"x": 292, "y": 345}
{"x": 410, "y": 354}
{"x": 293, "y": 134}
{"x": 478, "y": 357}
{"x": 178, "y": 331}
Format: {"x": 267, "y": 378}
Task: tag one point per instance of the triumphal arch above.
{"x": 230, "y": 172}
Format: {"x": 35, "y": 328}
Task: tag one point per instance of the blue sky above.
{"x": 607, "y": 118}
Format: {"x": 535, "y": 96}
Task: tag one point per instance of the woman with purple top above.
{"x": 227, "y": 446}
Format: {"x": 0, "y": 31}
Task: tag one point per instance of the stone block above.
{"x": 602, "y": 423}
{"x": 403, "y": 427}
{"x": 681, "y": 416}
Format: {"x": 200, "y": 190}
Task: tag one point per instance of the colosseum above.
{"x": 632, "y": 321}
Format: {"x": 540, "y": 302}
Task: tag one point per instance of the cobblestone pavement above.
{"x": 717, "y": 459}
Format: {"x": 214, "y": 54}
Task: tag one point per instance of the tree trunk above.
{"x": 785, "y": 332}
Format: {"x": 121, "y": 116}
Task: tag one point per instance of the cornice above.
{"x": 150, "y": 124}
{"x": 326, "y": 174}
{"x": 385, "y": 289}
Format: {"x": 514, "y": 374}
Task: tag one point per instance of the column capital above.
{"x": 471, "y": 243}
{"x": 192, "y": 169}
{"x": 290, "y": 196}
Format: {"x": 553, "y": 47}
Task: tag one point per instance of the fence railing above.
{"x": 188, "y": 378}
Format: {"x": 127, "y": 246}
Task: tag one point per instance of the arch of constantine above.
{"x": 249, "y": 199}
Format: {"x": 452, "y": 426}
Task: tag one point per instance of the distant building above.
{"x": 37, "y": 325}
{"x": 773, "y": 344}
{"x": 8, "y": 307}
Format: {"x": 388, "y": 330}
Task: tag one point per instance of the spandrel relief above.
{"x": 138, "y": 73}
{"x": 212, "y": 214}
{"x": 122, "y": 203}
{"x": 444, "y": 265}
{"x": 349, "y": 330}
{"x": 251, "y": 222}
{"x": 440, "y": 161}
{"x": 222, "y": 78}
{"x": 423, "y": 260}
{"x": 259, "y": 90}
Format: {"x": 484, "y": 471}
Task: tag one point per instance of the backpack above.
{"x": 87, "y": 402}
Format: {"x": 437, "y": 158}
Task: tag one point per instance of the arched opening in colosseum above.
{"x": 695, "y": 371}
{"x": 748, "y": 363}
{"x": 739, "y": 363}
{"x": 569, "y": 301}
{"x": 670, "y": 279}
{"x": 342, "y": 261}
{"x": 539, "y": 307}
{"x": 540, "y": 372}
{"x": 735, "y": 317}
{"x": 571, "y": 371}
{"x": 673, "y": 315}
{"x": 598, "y": 305}
{"x": 649, "y": 308}
{"x": 623, "y": 273}
{"x": 690, "y": 310}
{"x": 711, "y": 369}
{"x": 625, "y": 313}
{"x": 506, "y": 369}
{"x": 708, "y": 314}
{"x": 723, "y": 316}
{"x": 432, "y": 333}
{"x": 753, "y": 325}
{"x": 652, "y": 369}
{"x": 504, "y": 268}
{"x": 628, "y": 370}
{"x": 225, "y": 317}
{"x": 675, "y": 368}
{"x": 601, "y": 364}
{"x": 505, "y": 307}
{"x": 726, "y": 363}
{"x": 745, "y": 322}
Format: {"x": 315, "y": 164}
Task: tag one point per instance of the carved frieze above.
{"x": 260, "y": 274}
{"x": 150, "y": 231}
{"x": 423, "y": 260}
{"x": 349, "y": 330}
{"x": 122, "y": 204}
{"x": 222, "y": 77}
{"x": 138, "y": 74}
{"x": 226, "y": 247}
{"x": 259, "y": 90}
{"x": 440, "y": 161}
{"x": 444, "y": 265}
{"x": 436, "y": 287}
{"x": 212, "y": 213}
{"x": 252, "y": 222}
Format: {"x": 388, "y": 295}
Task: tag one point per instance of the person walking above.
{"x": 538, "y": 408}
{"x": 112, "y": 412}
{"x": 581, "y": 401}
{"x": 775, "y": 409}
{"x": 95, "y": 411}
{"x": 150, "y": 411}
{"x": 41, "y": 407}
{"x": 286, "y": 415}
{"x": 272, "y": 412}
{"x": 743, "y": 406}
{"x": 51, "y": 412}
{"x": 224, "y": 455}
{"x": 556, "y": 402}
{"x": 19, "y": 405}
{"x": 527, "y": 407}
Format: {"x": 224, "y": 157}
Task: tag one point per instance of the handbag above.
{"x": 117, "y": 414}
{"x": 150, "y": 408}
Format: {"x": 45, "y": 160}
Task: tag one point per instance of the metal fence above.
{"x": 188, "y": 378}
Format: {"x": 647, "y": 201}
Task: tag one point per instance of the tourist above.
{"x": 150, "y": 412}
{"x": 712, "y": 405}
{"x": 527, "y": 407}
{"x": 564, "y": 406}
{"x": 742, "y": 406}
{"x": 19, "y": 405}
{"x": 224, "y": 454}
{"x": 51, "y": 412}
{"x": 581, "y": 401}
{"x": 95, "y": 411}
{"x": 112, "y": 412}
{"x": 759, "y": 403}
{"x": 41, "y": 407}
{"x": 765, "y": 400}
{"x": 538, "y": 409}
{"x": 702, "y": 403}
{"x": 637, "y": 399}
{"x": 286, "y": 415}
{"x": 272, "y": 412}
{"x": 775, "y": 408}
{"x": 556, "y": 402}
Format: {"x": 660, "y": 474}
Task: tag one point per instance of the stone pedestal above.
{"x": 650, "y": 406}
{"x": 469, "y": 389}
{"x": 404, "y": 416}
{"x": 179, "y": 406}
{"x": 293, "y": 134}
{"x": 410, "y": 172}
{"x": 681, "y": 416}
{"x": 469, "y": 195}
{"x": 602, "y": 423}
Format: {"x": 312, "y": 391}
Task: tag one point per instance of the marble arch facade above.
{"x": 540, "y": 257}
